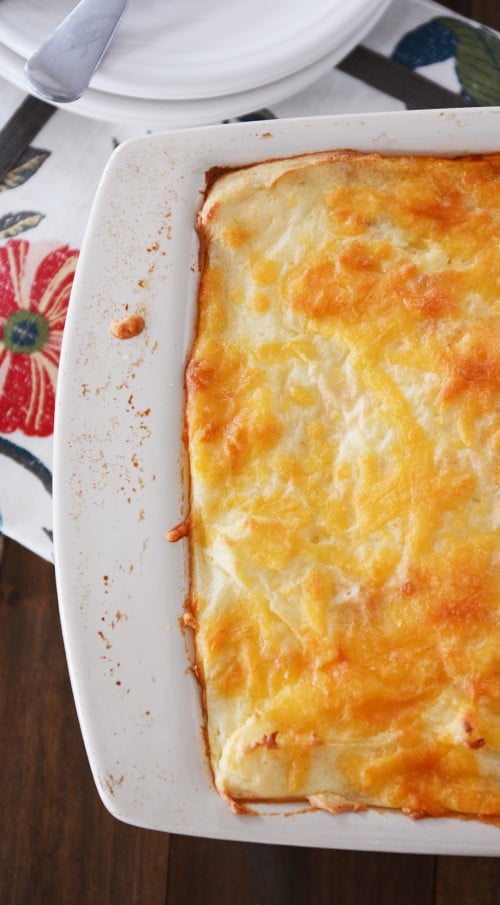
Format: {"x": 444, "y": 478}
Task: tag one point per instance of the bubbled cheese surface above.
{"x": 343, "y": 438}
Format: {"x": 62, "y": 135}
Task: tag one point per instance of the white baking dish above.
{"x": 118, "y": 480}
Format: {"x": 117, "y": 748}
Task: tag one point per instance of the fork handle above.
{"x": 61, "y": 69}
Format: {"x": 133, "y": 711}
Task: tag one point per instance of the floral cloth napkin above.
{"x": 44, "y": 205}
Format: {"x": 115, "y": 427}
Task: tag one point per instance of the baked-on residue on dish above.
{"x": 127, "y": 327}
{"x": 343, "y": 436}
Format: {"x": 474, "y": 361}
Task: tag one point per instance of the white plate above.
{"x": 180, "y": 114}
{"x": 117, "y": 482}
{"x": 188, "y": 49}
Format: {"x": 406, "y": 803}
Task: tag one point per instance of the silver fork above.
{"x": 61, "y": 69}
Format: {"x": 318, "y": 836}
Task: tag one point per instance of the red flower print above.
{"x": 34, "y": 295}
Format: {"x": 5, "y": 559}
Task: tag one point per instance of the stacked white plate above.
{"x": 177, "y": 63}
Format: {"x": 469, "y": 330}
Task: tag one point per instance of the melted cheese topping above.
{"x": 343, "y": 435}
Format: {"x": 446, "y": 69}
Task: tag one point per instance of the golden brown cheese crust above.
{"x": 343, "y": 436}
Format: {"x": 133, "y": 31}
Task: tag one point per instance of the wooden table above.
{"x": 58, "y": 844}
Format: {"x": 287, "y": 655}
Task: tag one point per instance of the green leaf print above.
{"x": 13, "y": 224}
{"x": 28, "y": 164}
{"x": 477, "y": 60}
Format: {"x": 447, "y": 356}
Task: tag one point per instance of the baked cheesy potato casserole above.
{"x": 343, "y": 434}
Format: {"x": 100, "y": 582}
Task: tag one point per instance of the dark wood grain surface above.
{"x": 58, "y": 844}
